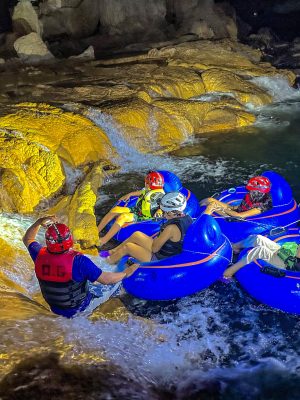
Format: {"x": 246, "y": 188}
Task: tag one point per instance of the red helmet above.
{"x": 155, "y": 180}
{"x": 260, "y": 184}
{"x": 58, "y": 238}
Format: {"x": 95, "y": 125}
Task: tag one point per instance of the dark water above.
{"x": 217, "y": 344}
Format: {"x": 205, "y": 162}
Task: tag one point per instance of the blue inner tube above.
{"x": 206, "y": 254}
{"x": 273, "y": 286}
{"x": 284, "y": 212}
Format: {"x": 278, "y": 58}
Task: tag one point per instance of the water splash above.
{"x": 278, "y": 87}
{"x": 128, "y": 157}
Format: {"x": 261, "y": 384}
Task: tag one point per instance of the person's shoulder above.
{"x": 34, "y": 246}
{"x": 85, "y": 269}
{"x": 34, "y": 249}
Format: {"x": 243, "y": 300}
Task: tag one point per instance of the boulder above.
{"x": 75, "y": 18}
{"x": 88, "y": 54}
{"x": 215, "y": 17}
{"x": 202, "y": 30}
{"x": 133, "y": 18}
{"x": 32, "y": 49}
{"x": 25, "y": 18}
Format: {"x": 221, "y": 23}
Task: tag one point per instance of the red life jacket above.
{"x": 54, "y": 272}
{"x": 248, "y": 204}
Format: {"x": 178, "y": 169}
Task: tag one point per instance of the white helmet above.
{"x": 173, "y": 201}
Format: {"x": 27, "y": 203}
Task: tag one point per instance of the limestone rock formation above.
{"x": 76, "y": 18}
{"x": 30, "y": 172}
{"x": 204, "y": 18}
{"x": 34, "y": 143}
{"x": 218, "y": 80}
{"x": 25, "y": 19}
{"x": 119, "y": 23}
{"x": 32, "y": 49}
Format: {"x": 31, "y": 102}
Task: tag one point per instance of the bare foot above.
{"x": 229, "y": 272}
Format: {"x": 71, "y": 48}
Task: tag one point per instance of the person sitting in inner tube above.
{"x": 147, "y": 206}
{"x": 257, "y": 200}
{"x": 169, "y": 240}
{"x": 63, "y": 273}
{"x": 286, "y": 256}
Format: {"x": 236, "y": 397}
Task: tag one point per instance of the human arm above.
{"x": 127, "y": 196}
{"x": 225, "y": 209}
{"x": 108, "y": 278}
{"x": 243, "y": 214}
{"x": 171, "y": 232}
{"x": 32, "y": 231}
{"x": 85, "y": 269}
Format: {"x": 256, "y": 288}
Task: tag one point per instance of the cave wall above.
{"x": 133, "y": 20}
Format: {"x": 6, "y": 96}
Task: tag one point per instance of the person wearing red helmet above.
{"x": 63, "y": 273}
{"x": 257, "y": 200}
{"x": 147, "y": 206}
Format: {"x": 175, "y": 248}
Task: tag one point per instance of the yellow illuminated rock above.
{"x": 174, "y": 82}
{"x": 226, "y": 118}
{"x": 73, "y": 137}
{"x": 228, "y": 55}
{"x": 30, "y": 173}
{"x": 218, "y": 80}
{"x": 200, "y": 116}
{"x": 157, "y": 81}
{"x": 145, "y": 127}
{"x": 34, "y": 141}
{"x": 81, "y": 216}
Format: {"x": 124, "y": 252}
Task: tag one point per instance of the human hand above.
{"x": 47, "y": 220}
{"x": 210, "y": 209}
{"x": 131, "y": 269}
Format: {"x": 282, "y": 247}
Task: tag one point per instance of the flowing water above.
{"x": 217, "y": 344}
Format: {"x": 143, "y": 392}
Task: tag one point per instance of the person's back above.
{"x": 63, "y": 273}
{"x": 55, "y": 276}
{"x": 167, "y": 243}
{"x": 171, "y": 247}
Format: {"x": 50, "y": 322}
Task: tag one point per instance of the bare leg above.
{"x": 264, "y": 249}
{"x": 113, "y": 230}
{"x": 133, "y": 250}
{"x": 250, "y": 241}
{"x": 105, "y": 220}
{"x": 138, "y": 238}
